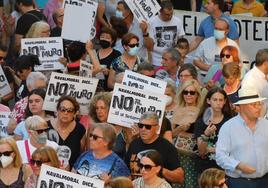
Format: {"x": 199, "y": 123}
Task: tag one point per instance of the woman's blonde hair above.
{"x": 12, "y": 143}
{"x": 211, "y": 177}
{"x": 119, "y": 182}
{"x": 47, "y": 154}
{"x": 196, "y": 85}
{"x": 36, "y": 29}
{"x": 35, "y": 121}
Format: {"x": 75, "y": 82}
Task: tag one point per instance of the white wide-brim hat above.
{"x": 248, "y": 95}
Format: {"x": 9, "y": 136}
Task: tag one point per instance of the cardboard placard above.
{"x": 54, "y": 177}
{"x": 86, "y": 69}
{"x": 143, "y": 82}
{"x": 4, "y": 119}
{"x": 48, "y": 50}
{"x": 78, "y": 21}
{"x": 128, "y": 104}
{"x": 83, "y": 89}
{"x": 4, "y": 86}
{"x": 143, "y": 9}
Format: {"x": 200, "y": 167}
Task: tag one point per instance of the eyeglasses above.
{"x": 148, "y": 127}
{"x": 2, "y": 58}
{"x": 37, "y": 162}
{"x": 225, "y": 55}
{"x": 40, "y": 131}
{"x": 95, "y": 137}
{"x": 68, "y": 110}
{"x": 6, "y": 153}
{"x": 185, "y": 92}
{"x": 133, "y": 45}
{"x": 146, "y": 167}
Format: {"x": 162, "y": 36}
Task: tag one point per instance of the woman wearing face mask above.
{"x": 34, "y": 107}
{"x": 12, "y": 173}
{"x": 37, "y": 129}
{"x": 106, "y": 54}
{"x": 44, "y": 155}
{"x": 128, "y": 61}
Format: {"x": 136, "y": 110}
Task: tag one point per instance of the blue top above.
{"x": 238, "y": 143}
{"x": 206, "y": 28}
{"x": 88, "y": 165}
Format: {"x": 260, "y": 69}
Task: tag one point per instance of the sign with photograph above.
{"x": 86, "y": 69}
{"x": 48, "y": 50}
{"x": 143, "y": 82}
{"x": 54, "y": 177}
{"x": 82, "y": 89}
{"x": 143, "y": 9}
{"x": 128, "y": 104}
{"x": 4, "y": 119}
{"x": 4, "y": 86}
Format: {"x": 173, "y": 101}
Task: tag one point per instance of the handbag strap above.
{"x": 26, "y": 143}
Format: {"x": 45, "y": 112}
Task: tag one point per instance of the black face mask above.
{"x": 105, "y": 44}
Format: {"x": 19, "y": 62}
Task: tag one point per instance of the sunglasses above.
{"x": 95, "y": 137}
{"x": 185, "y": 92}
{"x": 2, "y": 58}
{"x": 225, "y": 55}
{"x": 148, "y": 127}
{"x": 6, "y": 153}
{"x": 133, "y": 45}
{"x": 68, "y": 110}
{"x": 40, "y": 131}
{"x": 37, "y": 162}
{"x": 146, "y": 167}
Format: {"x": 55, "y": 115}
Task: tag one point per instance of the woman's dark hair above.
{"x": 127, "y": 38}
{"x": 119, "y": 26}
{"x": 111, "y": 32}
{"x": 26, "y": 62}
{"x": 71, "y": 99}
{"x": 154, "y": 156}
{"x": 226, "y": 110}
{"x": 39, "y": 92}
{"x": 76, "y": 50}
{"x": 191, "y": 68}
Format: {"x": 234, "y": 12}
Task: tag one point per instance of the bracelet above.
{"x": 204, "y": 138}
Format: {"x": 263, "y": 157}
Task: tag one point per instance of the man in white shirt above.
{"x": 164, "y": 30}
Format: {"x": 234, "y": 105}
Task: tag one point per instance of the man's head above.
{"x": 3, "y": 54}
{"x": 262, "y": 60}
{"x": 170, "y": 59}
{"x": 21, "y": 4}
{"x": 221, "y": 29}
{"x": 146, "y": 69}
{"x": 57, "y": 16}
{"x": 36, "y": 80}
{"x": 250, "y": 103}
{"x": 166, "y": 11}
{"x": 213, "y": 6}
{"x": 149, "y": 125}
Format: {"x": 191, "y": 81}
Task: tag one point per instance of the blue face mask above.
{"x": 119, "y": 14}
{"x": 219, "y": 35}
{"x": 133, "y": 51}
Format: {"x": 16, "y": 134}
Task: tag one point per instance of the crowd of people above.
{"x": 214, "y": 131}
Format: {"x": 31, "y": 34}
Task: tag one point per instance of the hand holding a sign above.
{"x": 144, "y": 27}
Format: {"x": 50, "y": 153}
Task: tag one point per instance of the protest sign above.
{"x": 128, "y": 104}
{"x": 82, "y": 89}
{"x": 143, "y": 82}
{"x": 55, "y": 177}
{"x": 4, "y": 119}
{"x": 85, "y": 69}
{"x": 78, "y": 21}
{"x": 253, "y": 31}
{"x": 4, "y": 86}
{"x": 48, "y": 50}
{"x": 143, "y": 9}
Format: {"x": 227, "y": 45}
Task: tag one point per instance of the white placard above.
{"x": 128, "y": 104}
{"x": 86, "y": 69}
{"x": 78, "y": 21}
{"x": 143, "y": 9}
{"x": 54, "y": 177}
{"x": 253, "y": 31}
{"x": 4, "y": 86}
{"x": 83, "y": 89}
{"x": 143, "y": 82}
{"x": 4, "y": 119}
{"x": 48, "y": 50}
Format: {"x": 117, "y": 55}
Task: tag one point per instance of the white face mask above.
{"x": 168, "y": 100}
{"x": 6, "y": 160}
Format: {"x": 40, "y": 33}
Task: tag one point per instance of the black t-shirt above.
{"x": 26, "y": 20}
{"x": 168, "y": 153}
{"x": 73, "y": 141}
